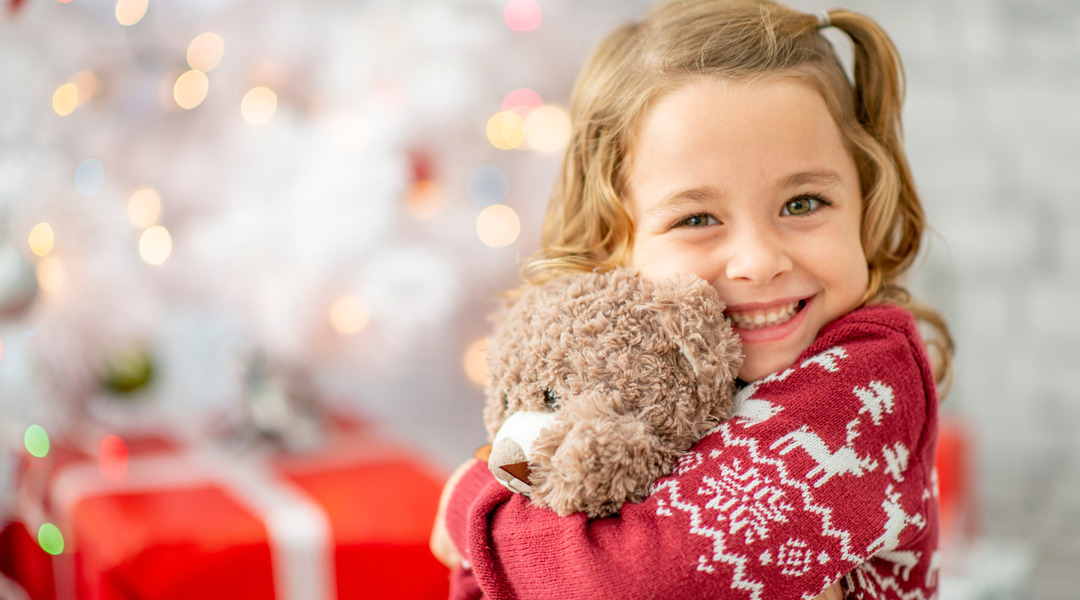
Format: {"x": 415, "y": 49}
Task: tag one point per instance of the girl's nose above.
{"x": 757, "y": 254}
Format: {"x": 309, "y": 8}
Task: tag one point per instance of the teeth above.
{"x": 750, "y": 320}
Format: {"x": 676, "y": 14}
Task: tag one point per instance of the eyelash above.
{"x": 813, "y": 198}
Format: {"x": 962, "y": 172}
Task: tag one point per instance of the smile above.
{"x": 765, "y": 317}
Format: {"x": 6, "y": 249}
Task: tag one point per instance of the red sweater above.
{"x": 825, "y": 472}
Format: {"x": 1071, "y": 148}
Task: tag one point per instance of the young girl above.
{"x": 722, "y": 138}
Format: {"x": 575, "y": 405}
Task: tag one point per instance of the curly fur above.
{"x": 635, "y": 370}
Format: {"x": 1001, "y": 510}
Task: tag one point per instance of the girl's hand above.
{"x": 441, "y": 544}
{"x": 833, "y": 592}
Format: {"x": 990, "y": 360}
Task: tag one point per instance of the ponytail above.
{"x": 893, "y": 219}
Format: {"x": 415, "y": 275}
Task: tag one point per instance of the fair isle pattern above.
{"x": 824, "y": 474}
{"x": 741, "y": 505}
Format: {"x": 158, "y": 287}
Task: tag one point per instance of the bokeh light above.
{"x": 506, "y": 130}
{"x": 522, "y": 101}
{"x": 498, "y": 226}
{"x": 205, "y": 51}
{"x": 487, "y": 185}
{"x": 113, "y": 458}
{"x": 51, "y": 275}
{"x": 41, "y": 239}
{"x": 190, "y": 89}
{"x": 65, "y": 99}
{"x": 36, "y": 441}
{"x": 424, "y": 199}
{"x": 259, "y": 105}
{"x": 88, "y": 84}
{"x": 522, "y": 15}
{"x": 90, "y": 176}
{"x": 155, "y": 245}
{"x": 50, "y": 539}
{"x": 547, "y": 129}
{"x": 475, "y": 362}
{"x": 144, "y": 207}
{"x": 349, "y": 315}
{"x": 130, "y": 12}
{"x": 1, "y": 350}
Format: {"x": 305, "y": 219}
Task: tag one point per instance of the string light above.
{"x": 498, "y": 225}
{"x": 65, "y": 99}
{"x": 259, "y": 105}
{"x": 130, "y": 12}
{"x": 90, "y": 176}
{"x": 205, "y": 51}
{"x": 144, "y": 208}
{"x": 506, "y": 130}
{"x": 190, "y": 89}
{"x": 51, "y": 275}
{"x": 475, "y": 362}
{"x": 113, "y": 458}
{"x": 50, "y": 539}
{"x": 424, "y": 199}
{"x": 522, "y": 15}
{"x": 547, "y": 129}
{"x": 155, "y": 245}
{"x": 36, "y": 441}
{"x": 487, "y": 185}
{"x": 41, "y": 239}
{"x": 349, "y": 315}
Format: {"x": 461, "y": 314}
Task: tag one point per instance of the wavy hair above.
{"x": 587, "y": 226}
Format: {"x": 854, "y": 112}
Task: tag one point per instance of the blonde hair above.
{"x": 587, "y": 227}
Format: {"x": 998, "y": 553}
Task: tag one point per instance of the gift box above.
{"x": 156, "y": 519}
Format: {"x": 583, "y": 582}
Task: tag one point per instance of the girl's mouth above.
{"x": 749, "y": 320}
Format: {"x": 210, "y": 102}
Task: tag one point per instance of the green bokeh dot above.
{"x": 37, "y": 441}
{"x": 50, "y": 538}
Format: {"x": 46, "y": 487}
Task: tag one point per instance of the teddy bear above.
{"x": 600, "y": 381}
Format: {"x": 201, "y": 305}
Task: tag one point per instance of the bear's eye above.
{"x": 506, "y": 401}
{"x": 550, "y": 400}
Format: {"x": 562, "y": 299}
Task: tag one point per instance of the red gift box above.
{"x": 168, "y": 521}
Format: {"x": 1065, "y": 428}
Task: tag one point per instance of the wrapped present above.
{"x": 161, "y": 520}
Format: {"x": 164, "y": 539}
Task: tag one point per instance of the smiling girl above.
{"x": 723, "y": 139}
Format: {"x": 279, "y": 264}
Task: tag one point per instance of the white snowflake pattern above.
{"x": 794, "y": 557}
{"x": 752, "y": 500}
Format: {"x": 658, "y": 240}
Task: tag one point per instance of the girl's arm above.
{"x": 825, "y": 470}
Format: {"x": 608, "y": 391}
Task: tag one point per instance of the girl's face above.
{"x": 750, "y": 187}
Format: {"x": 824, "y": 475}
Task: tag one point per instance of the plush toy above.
{"x": 600, "y": 381}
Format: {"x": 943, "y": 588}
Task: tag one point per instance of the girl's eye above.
{"x": 700, "y": 220}
{"x": 802, "y": 205}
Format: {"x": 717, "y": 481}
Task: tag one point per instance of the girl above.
{"x": 722, "y": 138}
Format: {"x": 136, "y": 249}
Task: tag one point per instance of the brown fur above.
{"x": 641, "y": 370}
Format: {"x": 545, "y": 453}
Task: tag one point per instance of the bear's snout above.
{"x": 513, "y": 446}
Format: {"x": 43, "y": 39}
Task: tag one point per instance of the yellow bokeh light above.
{"x": 547, "y": 129}
{"x": 349, "y": 315}
{"x": 498, "y": 225}
{"x": 51, "y": 275}
{"x": 205, "y": 51}
{"x": 475, "y": 361}
{"x": 41, "y": 239}
{"x": 190, "y": 89}
{"x": 155, "y": 245}
{"x": 144, "y": 208}
{"x": 130, "y": 12}
{"x": 506, "y": 130}
{"x": 88, "y": 84}
{"x": 65, "y": 99}
{"x": 258, "y": 105}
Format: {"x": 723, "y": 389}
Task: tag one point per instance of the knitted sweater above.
{"x": 824, "y": 473}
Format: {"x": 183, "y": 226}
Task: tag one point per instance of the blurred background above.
{"x": 239, "y": 224}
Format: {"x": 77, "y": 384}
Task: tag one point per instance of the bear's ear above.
{"x": 690, "y": 313}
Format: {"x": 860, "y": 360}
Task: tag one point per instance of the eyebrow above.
{"x": 819, "y": 177}
{"x": 694, "y": 195}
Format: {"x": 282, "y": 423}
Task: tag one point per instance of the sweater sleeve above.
{"x": 825, "y": 471}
